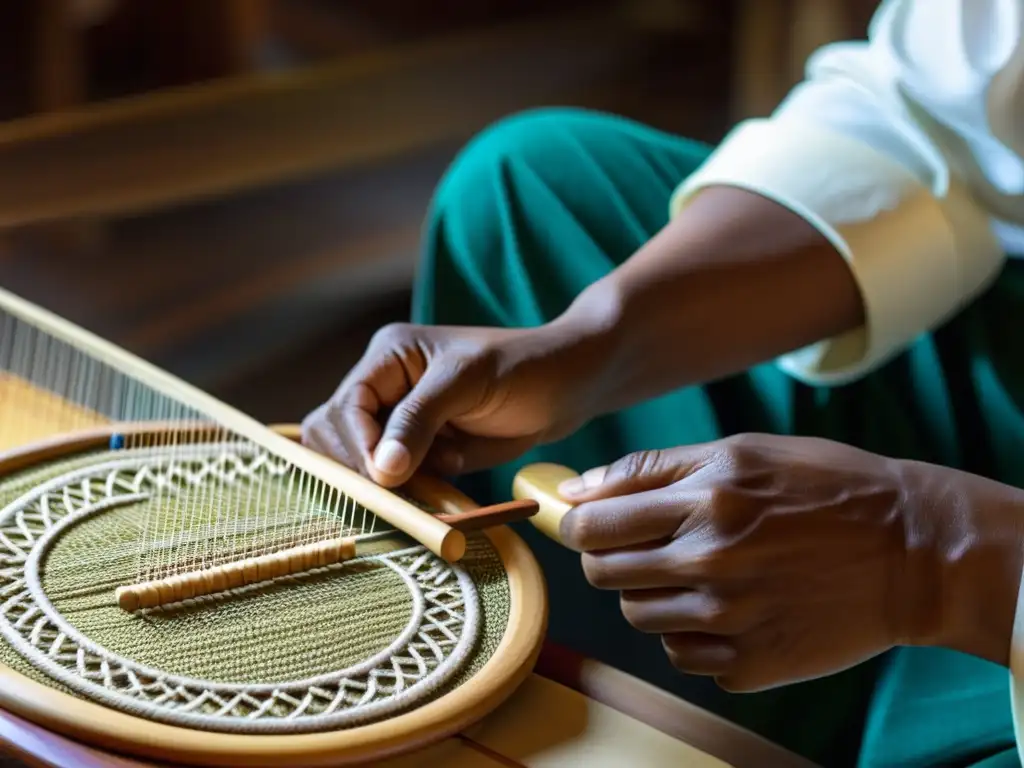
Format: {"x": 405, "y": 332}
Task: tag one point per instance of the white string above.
{"x": 49, "y": 387}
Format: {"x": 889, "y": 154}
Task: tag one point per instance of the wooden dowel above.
{"x": 439, "y": 538}
{"x": 220, "y": 578}
{"x": 208, "y": 581}
{"x": 492, "y": 516}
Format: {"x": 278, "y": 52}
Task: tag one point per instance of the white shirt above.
{"x": 907, "y": 152}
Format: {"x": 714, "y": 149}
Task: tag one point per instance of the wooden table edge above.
{"x": 663, "y": 711}
{"x": 37, "y": 747}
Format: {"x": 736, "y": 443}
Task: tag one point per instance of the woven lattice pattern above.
{"x": 328, "y": 649}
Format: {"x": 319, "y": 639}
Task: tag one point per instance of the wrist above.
{"x": 589, "y": 339}
{"x": 972, "y": 531}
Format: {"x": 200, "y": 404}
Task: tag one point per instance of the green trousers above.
{"x": 543, "y": 204}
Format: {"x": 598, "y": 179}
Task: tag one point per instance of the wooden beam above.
{"x": 773, "y": 41}
{"x": 816, "y": 23}
{"x": 759, "y": 50}
{"x": 58, "y": 64}
{"x": 141, "y": 153}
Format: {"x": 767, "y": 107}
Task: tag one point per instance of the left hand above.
{"x": 767, "y": 560}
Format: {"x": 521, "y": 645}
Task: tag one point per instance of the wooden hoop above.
{"x": 116, "y": 731}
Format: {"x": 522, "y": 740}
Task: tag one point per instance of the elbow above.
{"x": 916, "y": 264}
{"x": 916, "y": 257}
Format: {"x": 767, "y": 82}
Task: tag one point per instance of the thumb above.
{"x": 441, "y": 395}
{"x": 634, "y": 473}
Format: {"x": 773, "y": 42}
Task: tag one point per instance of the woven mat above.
{"x": 307, "y": 626}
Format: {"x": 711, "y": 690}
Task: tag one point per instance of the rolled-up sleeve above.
{"x": 881, "y": 149}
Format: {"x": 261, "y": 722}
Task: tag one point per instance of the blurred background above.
{"x": 234, "y": 189}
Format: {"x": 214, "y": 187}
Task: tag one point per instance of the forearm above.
{"x": 733, "y": 281}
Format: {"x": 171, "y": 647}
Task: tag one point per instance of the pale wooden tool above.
{"x": 539, "y": 482}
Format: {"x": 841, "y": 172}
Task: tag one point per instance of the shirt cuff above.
{"x": 917, "y": 255}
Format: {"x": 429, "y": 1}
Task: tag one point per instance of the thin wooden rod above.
{"x": 435, "y": 534}
{"x": 492, "y": 516}
{"x": 220, "y": 578}
{"x": 294, "y": 560}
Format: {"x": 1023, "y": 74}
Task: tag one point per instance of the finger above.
{"x": 663, "y": 612}
{"x": 697, "y": 654}
{"x": 311, "y": 439}
{"x": 383, "y": 376}
{"x": 636, "y": 472}
{"x": 626, "y": 521}
{"x": 354, "y": 419}
{"x": 462, "y": 454}
{"x": 643, "y": 567}
{"x": 344, "y": 428}
{"x": 442, "y": 394}
{"x": 319, "y": 436}
{"x": 347, "y": 426}
{"x": 696, "y": 559}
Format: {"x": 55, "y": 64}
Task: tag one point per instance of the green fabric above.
{"x": 314, "y": 624}
{"x": 544, "y": 203}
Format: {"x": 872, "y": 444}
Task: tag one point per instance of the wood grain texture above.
{"x": 224, "y": 288}
{"x": 488, "y": 517}
{"x": 667, "y": 713}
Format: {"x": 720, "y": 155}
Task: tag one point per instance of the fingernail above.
{"x": 588, "y": 481}
{"x": 391, "y": 457}
{"x": 592, "y": 478}
{"x": 571, "y": 487}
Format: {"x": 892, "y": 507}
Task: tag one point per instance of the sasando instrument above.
{"x": 116, "y": 475}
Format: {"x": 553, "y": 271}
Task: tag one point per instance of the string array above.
{"x": 244, "y": 503}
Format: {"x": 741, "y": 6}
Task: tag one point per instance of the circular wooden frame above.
{"x": 116, "y": 731}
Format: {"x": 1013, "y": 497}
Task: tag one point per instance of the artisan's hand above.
{"x": 766, "y": 560}
{"x": 453, "y": 399}
{"x": 467, "y": 398}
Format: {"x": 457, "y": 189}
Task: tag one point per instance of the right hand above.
{"x": 450, "y": 399}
